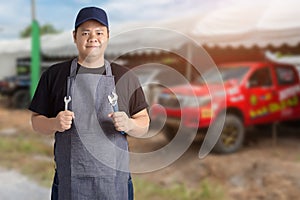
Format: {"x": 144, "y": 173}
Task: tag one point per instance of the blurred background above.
{"x": 145, "y": 36}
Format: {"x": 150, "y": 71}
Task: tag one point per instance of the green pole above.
{"x": 35, "y": 56}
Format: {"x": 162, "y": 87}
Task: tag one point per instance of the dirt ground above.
{"x": 259, "y": 171}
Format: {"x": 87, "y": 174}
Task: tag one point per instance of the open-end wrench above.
{"x": 113, "y": 100}
{"x": 67, "y": 101}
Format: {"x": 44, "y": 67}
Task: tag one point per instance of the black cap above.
{"x": 91, "y": 13}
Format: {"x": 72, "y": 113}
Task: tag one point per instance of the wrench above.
{"x": 67, "y": 101}
{"x": 113, "y": 100}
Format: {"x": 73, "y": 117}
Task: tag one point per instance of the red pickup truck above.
{"x": 249, "y": 93}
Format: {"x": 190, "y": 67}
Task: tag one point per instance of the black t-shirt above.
{"x": 48, "y": 99}
{"x": 86, "y": 70}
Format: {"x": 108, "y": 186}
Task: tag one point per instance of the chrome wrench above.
{"x": 67, "y": 101}
{"x": 113, "y": 100}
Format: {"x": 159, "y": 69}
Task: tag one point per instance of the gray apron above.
{"x": 92, "y": 157}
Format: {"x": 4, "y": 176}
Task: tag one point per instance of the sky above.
{"x": 15, "y": 15}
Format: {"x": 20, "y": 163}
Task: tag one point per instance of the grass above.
{"x": 205, "y": 191}
{"x": 297, "y": 158}
{"x": 29, "y": 155}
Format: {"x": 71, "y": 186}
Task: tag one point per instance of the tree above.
{"x": 45, "y": 29}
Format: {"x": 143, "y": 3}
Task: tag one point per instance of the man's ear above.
{"x": 74, "y": 36}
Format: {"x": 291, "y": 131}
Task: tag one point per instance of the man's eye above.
{"x": 100, "y": 33}
{"x": 84, "y": 33}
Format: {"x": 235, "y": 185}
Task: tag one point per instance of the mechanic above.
{"x": 72, "y": 101}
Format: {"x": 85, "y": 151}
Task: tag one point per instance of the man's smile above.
{"x": 94, "y": 46}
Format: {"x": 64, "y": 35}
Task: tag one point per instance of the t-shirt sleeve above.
{"x": 132, "y": 97}
{"x": 40, "y": 100}
{"x": 137, "y": 101}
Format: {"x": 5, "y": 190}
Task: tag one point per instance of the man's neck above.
{"x": 91, "y": 62}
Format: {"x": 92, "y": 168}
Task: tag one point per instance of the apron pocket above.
{"x": 92, "y": 157}
{"x": 93, "y": 188}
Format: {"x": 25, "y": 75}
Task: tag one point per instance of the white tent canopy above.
{"x": 58, "y": 45}
{"x": 144, "y": 37}
{"x": 269, "y": 22}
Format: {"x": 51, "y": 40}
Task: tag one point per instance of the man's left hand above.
{"x": 121, "y": 121}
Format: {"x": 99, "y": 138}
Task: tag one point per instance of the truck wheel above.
{"x": 21, "y": 99}
{"x": 169, "y": 132}
{"x": 232, "y": 136}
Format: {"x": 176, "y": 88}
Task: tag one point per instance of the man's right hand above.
{"x": 63, "y": 120}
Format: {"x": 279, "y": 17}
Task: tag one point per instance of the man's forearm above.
{"x": 47, "y": 126}
{"x": 42, "y": 124}
{"x": 139, "y": 126}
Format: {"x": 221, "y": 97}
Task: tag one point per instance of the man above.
{"x": 91, "y": 150}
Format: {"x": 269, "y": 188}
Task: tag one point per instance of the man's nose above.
{"x": 92, "y": 38}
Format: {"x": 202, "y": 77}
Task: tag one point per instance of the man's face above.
{"x": 91, "y": 39}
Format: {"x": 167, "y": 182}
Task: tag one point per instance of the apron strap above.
{"x": 109, "y": 73}
{"x": 107, "y": 68}
{"x": 72, "y": 76}
{"x": 73, "y": 68}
